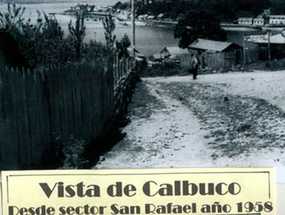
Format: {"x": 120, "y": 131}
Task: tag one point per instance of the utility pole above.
{"x": 269, "y": 47}
{"x": 134, "y": 28}
{"x": 244, "y": 49}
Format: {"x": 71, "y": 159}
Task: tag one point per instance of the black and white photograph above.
{"x": 107, "y": 84}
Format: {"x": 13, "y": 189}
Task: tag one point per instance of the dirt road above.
{"x": 180, "y": 122}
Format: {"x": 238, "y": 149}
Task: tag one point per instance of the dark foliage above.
{"x": 156, "y": 8}
{"x": 223, "y": 9}
{"x": 122, "y": 46}
{"x": 11, "y": 54}
{"x": 78, "y": 31}
{"x": 231, "y": 9}
{"x": 121, "y": 5}
{"x": 13, "y": 18}
{"x": 109, "y": 26}
{"x": 96, "y": 52}
{"x": 40, "y": 43}
{"x": 43, "y": 43}
{"x": 198, "y": 24}
{"x": 278, "y": 6}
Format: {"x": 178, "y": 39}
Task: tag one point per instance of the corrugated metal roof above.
{"x": 261, "y": 39}
{"x": 210, "y": 45}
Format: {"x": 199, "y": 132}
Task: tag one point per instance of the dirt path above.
{"x": 197, "y": 124}
{"x": 237, "y": 124}
{"x": 162, "y": 132}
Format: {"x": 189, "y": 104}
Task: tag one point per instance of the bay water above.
{"x": 149, "y": 39}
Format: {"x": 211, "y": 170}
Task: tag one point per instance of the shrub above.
{"x": 73, "y": 151}
{"x": 122, "y": 46}
{"x": 78, "y": 31}
{"x": 109, "y": 26}
{"x": 44, "y": 43}
{"x": 13, "y": 18}
{"x": 95, "y": 51}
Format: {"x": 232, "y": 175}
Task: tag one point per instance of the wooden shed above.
{"x": 217, "y": 54}
{"x": 277, "y": 45}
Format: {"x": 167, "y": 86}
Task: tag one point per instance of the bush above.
{"x": 95, "y": 51}
{"x": 13, "y": 18}
{"x": 109, "y": 26}
{"x": 73, "y": 151}
{"x": 43, "y": 43}
{"x": 78, "y": 31}
{"x": 122, "y": 46}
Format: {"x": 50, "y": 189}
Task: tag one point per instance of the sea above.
{"x": 149, "y": 39}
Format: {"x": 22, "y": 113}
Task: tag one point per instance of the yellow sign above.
{"x": 152, "y": 191}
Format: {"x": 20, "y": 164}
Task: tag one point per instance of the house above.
{"x": 263, "y": 19}
{"x": 278, "y": 39}
{"x": 277, "y": 45}
{"x": 10, "y": 53}
{"x": 277, "y": 19}
{"x": 259, "y": 21}
{"x": 149, "y": 2}
{"x": 216, "y": 54}
{"x": 176, "y": 54}
{"x": 245, "y": 21}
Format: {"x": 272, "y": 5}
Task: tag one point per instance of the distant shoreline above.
{"x": 49, "y": 1}
{"x": 42, "y": 2}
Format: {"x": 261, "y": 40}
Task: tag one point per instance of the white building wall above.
{"x": 245, "y": 21}
{"x": 277, "y": 20}
{"x": 259, "y": 21}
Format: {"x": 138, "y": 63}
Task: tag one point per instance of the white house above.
{"x": 278, "y": 39}
{"x": 245, "y": 21}
{"x": 277, "y": 20}
{"x": 258, "y": 21}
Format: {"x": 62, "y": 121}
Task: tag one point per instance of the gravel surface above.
{"x": 222, "y": 120}
{"x": 237, "y": 124}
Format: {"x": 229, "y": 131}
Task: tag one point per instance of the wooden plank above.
{"x": 38, "y": 108}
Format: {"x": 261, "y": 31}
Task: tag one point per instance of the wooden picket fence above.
{"x": 41, "y": 107}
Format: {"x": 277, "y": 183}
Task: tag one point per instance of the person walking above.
{"x": 195, "y": 66}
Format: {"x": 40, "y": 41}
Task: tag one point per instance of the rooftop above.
{"x": 261, "y": 39}
{"x": 210, "y": 45}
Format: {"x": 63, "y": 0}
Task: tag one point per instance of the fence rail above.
{"x": 41, "y": 107}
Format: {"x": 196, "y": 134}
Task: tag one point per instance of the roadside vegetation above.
{"x": 43, "y": 44}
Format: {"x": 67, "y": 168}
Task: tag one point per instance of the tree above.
{"x": 43, "y": 42}
{"x": 78, "y": 31}
{"x": 109, "y": 26}
{"x": 123, "y": 45}
{"x": 254, "y": 6}
{"x": 51, "y": 28}
{"x": 278, "y": 6}
{"x": 198, "y": 24}
{"x": 121, "y": 6}
{"x": 13, "y": 18}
